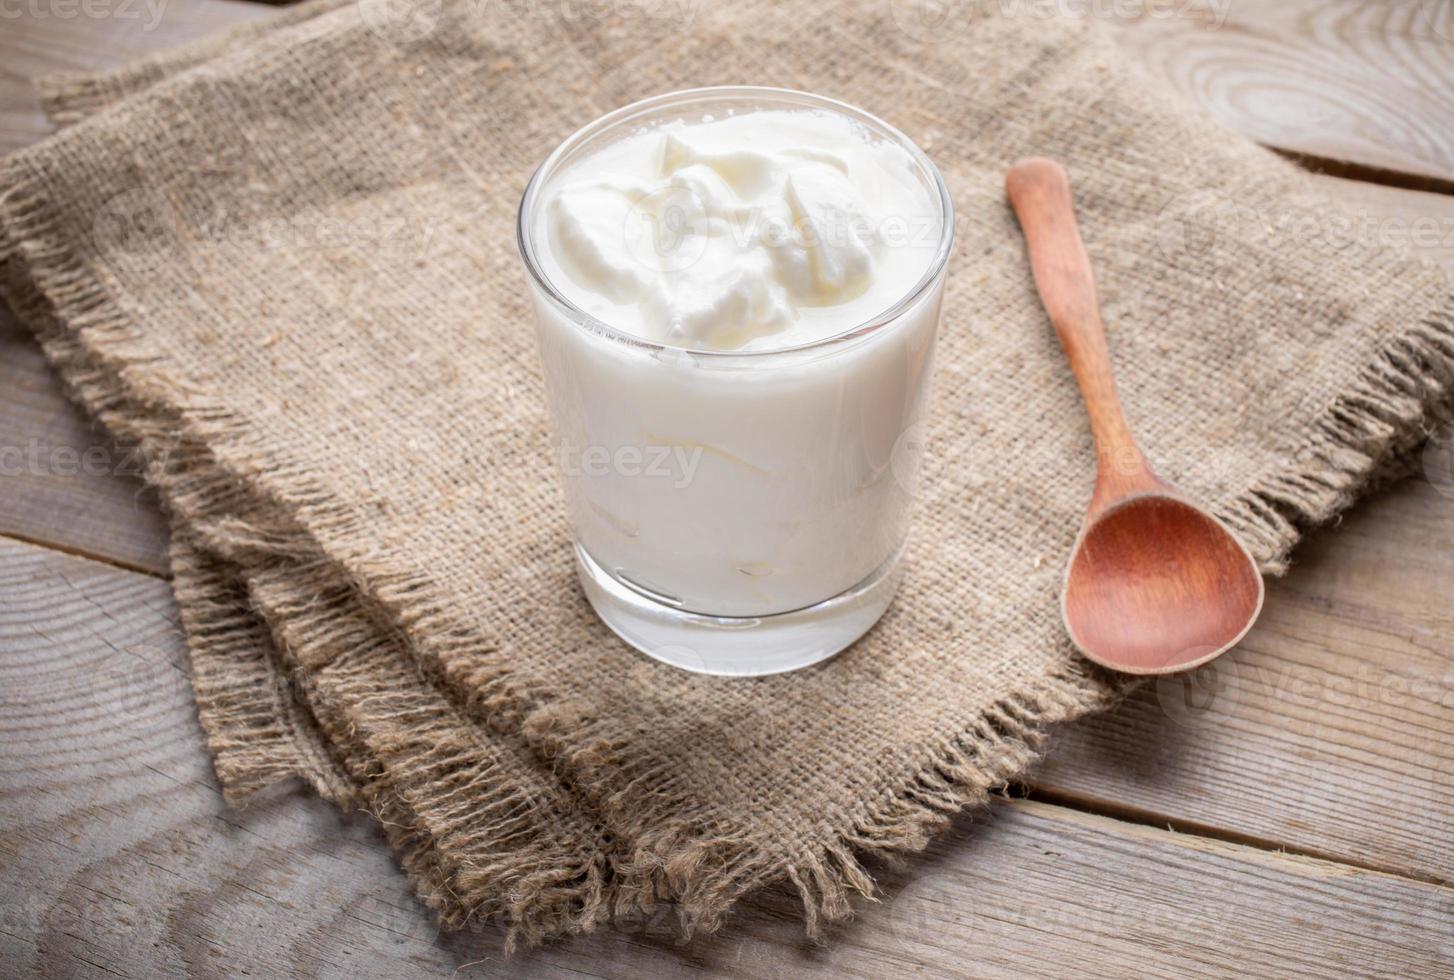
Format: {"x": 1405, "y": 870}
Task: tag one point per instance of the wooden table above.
{"x": 1290, "y": 813}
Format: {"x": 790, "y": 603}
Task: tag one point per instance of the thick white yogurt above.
{"x": 749, "y": 232}
{"x": 722, "y": 466}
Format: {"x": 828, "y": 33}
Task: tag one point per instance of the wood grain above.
{"x": 1326, "y": 733}
{"x": 55, "y": 36}
{"x": 1327, "y": 729}
{"x": 1362, "y": 81}
{"x": 63, "y": 481}
{"x": 96, "y": 514}
{"x": 118, "y": 858}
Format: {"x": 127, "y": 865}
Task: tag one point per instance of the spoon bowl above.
{"x": 1155, "y": 583}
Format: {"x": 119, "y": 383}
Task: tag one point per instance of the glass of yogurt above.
{"x": 737, "y": 292}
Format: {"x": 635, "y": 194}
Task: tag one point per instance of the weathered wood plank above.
{"x": 117, "y": 857}
{"x": 50, "y": 36}
{"x": 1364, "y": 81}
{"x": 1356, "y": 80}
{"x": 1328, "y": 728}
{"x": 1331, "y": 786}
{"x": 63, "y": 481}
{"x": 80, "y": 509}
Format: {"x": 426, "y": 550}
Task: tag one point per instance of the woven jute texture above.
{"x": 284, "y": 264}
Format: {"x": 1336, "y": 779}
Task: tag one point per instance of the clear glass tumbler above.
{"x": 737, "y": 512}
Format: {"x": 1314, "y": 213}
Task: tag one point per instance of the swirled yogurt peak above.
{"x": 757, "y": 230}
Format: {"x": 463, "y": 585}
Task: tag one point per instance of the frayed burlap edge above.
{"x": 270, "y": 733}
{"x": 264, "y": 719}
{"x": 214, "y": 604}
{"x": 92, "y": 342}
{"x": 103, "y": 356}
{"x": 1366, "y": 437}
{"x": 429, "y": 770}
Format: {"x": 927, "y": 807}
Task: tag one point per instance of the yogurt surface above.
{"x": 754, "y": 230}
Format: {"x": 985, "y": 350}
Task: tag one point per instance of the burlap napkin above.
{"x": 285, "y": 264}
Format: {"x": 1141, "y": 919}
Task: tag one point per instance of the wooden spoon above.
{"x": 1155, "y": 583}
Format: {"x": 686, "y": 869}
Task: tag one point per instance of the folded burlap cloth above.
{"x": 284, "y": 264}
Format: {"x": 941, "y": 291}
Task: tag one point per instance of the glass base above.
{"x": 738, "y": 646}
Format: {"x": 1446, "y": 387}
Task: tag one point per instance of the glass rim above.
{"x": 524, "y": 239}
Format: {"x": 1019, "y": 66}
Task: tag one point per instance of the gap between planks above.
{"x": 1137, "y": 816}
{"x": 1272, "y": 856}
{"x": 1368, "y": 174}
{"x": 1406, "y": 203}
{"x": 75, "y": 551}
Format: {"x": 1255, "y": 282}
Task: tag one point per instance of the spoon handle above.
{"x": 1039, "y": 191}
